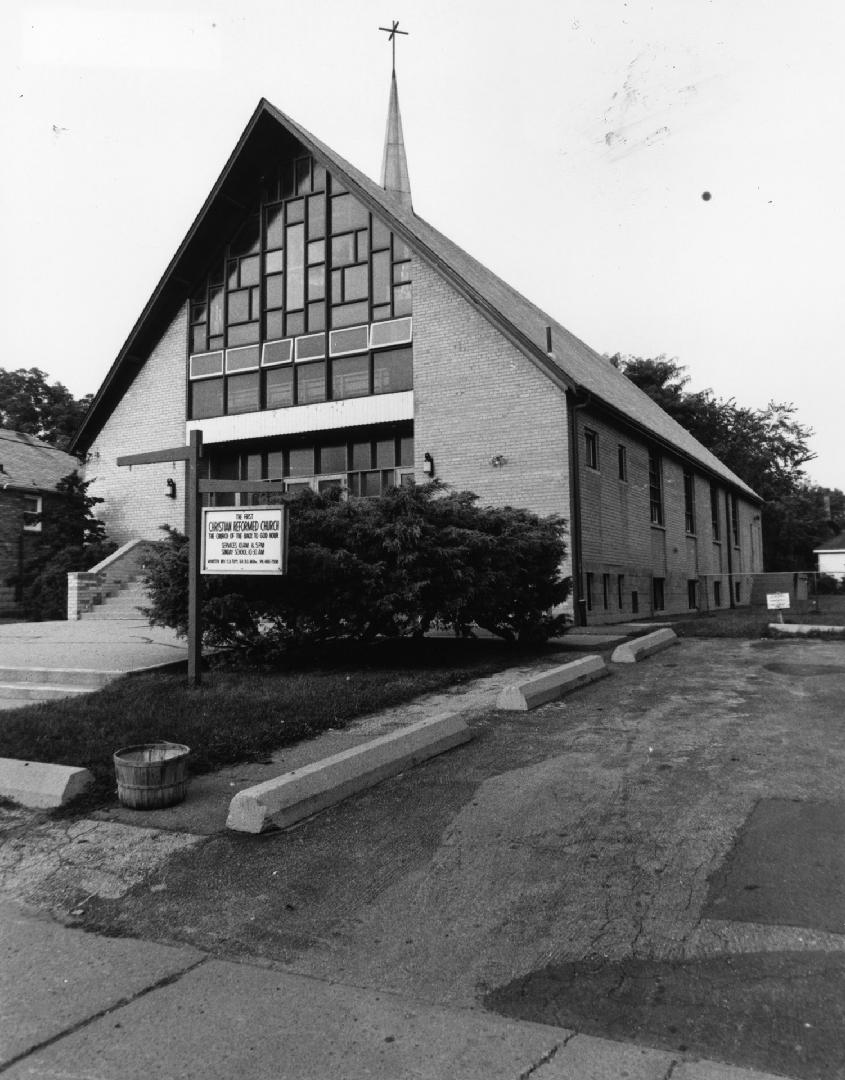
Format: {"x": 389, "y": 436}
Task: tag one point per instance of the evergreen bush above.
{"x": 392, "y": 566}
{"x": 72, "y": 539}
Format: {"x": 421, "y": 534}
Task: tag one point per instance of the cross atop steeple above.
{"x": 392, "y": 31}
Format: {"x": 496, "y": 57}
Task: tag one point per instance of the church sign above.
{"x": 248, "y": 540}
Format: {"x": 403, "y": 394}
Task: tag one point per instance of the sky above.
{"x": 567, "y": 144}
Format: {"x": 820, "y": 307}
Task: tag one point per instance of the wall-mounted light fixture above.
{"x": 170, "y": 484}
{"x": 428, "y": 464}
{"x": 498, "y": 460}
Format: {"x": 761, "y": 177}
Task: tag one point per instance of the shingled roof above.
{"x": 32, "y": 465}
{"x": 835, "y": 543}
{"x": 571, "y": 365}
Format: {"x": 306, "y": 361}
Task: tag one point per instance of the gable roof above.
{"x": 29, "y": 463}
{"x": 571, "y": 365}
{"x": 835, "y": 543}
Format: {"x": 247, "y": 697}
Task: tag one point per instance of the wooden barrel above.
{"x": 152, "y": 775}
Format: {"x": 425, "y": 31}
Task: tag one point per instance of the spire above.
{"x": 394, "y": 166}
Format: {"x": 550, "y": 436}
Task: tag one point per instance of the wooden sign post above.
{"x": 194, "y": 489}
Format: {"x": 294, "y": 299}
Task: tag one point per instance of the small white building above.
{"x": 831, "y": 556}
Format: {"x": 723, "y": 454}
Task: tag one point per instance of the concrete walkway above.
{"x": 55, "y": 653}
{"x": 79, "y": 1005}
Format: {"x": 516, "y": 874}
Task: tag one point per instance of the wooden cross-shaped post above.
{"x": 392, "y": 31}
{"x": 190, "y": 454}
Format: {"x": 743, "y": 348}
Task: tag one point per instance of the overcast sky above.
{"x": 565, "y": 144}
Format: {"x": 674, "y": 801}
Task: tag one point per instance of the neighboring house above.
{"x": 29, "y": 472}
{"x": 831, "y": 556}
{"x": 321, "y": 334}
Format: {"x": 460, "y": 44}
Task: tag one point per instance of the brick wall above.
{"x": 150, "y": 416}
{"x": 11, "y": 540}
{"x": 477, "y": 397}
{"x": 16, "y": 545}
{"x": 619, "y": 538}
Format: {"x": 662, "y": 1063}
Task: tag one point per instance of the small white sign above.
{"x": 777, "y": 600}
{"x": 250, "y": 540}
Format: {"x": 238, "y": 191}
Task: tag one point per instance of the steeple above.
{"x": 394, "y": 164}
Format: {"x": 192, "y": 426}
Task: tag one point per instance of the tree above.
{"x": 385, "y": 567}
{"x": 31, "y": 405}
{"x": 72, "y": 539}
{"x": 767, "y": 448}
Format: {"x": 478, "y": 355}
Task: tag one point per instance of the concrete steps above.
{"x": 121, "y": 602}
{"x": 24, "y": 686}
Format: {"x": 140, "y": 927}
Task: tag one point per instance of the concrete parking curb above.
{"x": 644, "y": 646}
{"x": 804, "y": 629}
{"x": 41, "y": 786}
{"x": 549, "y": 685}
{"x": 289, "y": 798}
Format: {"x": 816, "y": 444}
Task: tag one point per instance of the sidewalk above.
{"x": 72, "y": 653}
{"x": 120, "y": 645}
{"x": 78, "y": 1005}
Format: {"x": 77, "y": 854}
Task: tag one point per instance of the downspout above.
{"x": 579, "y": 600}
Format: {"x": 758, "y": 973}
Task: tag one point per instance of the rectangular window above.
{"x": 605, "y": 590}
{"x": 735, "y": 520}
{"x": 623, "y": 462}
{"x": 635, "y": 602}
{"x": 655, "y": 487}
{"x": 32, "y": 508}
{"x": 692, "y": 594}
{"x": 352, "y": 340}
{"x": 402, "y": 299}
{"x": 205, "y": 365}
{"x": 242, "y": 393}
{"x": 206, "y": 399}
{"x": 277, "y": 352}
{"x": 620, "y": 591}
{"x": 279, "y": 388}
{"x": 658, "y": 601}
{"x": 591, "y": 449}
{"x": 350, "y": 377}
{"x": 310, "y": 383}
{"x": 332, "y": 458}
{"x": 714, "y": 512}
{"x": 245, "y": 359}
{"x": 737, "y": 591}
{"x": 717, "y": 593}
{"x": 689, "y": 502}
{"x": 301, "y": 461}
{"x": 348, "y": 213}
{"x": 588, "y": 591}
{"x": 393, "y": 371}
{"x": 394, "y": 332}
{"x": 312, "y": 347}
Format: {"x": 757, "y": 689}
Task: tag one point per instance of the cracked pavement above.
{"x": 580, "y": 840}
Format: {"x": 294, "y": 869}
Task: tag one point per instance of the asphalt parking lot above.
{"x": 658, "y": 858}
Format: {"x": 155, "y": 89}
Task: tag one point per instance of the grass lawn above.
{"x": 243, "y": 715}
{"x": 754, "y": 622}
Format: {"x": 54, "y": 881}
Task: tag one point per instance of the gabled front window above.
{"x": 309, "y": 278}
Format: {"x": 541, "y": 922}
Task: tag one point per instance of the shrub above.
{"x": 391, "y": 566}
{"x": 72, "y": 539}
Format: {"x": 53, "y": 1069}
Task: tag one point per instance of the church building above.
{"x": 319, "y": 333}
